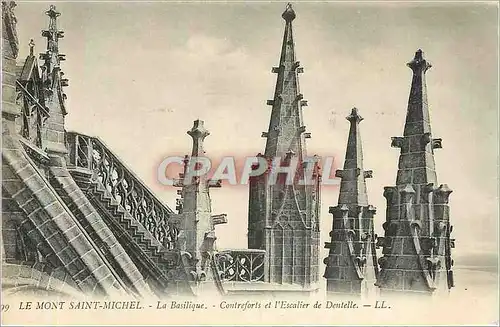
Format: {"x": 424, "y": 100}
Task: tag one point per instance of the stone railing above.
{"x": 33, "y": 113}
{"x": 241, "y": 265}
{"x": 91, "y": 153}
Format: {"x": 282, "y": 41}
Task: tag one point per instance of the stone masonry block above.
{"x": 92, "y": 260}
{"x": 342, "y": 286}
{"x": 64, "y": 222}
{"x": 412, "y": 160}
{"x": 8, "y": 91}
{"x": 8, "y": 78}
{"x": 75, "y": 267}
{"x": 416, "y": 143}
{"x": 108, "y": 281}
{"x": 8, "y": 174}
{"x": 21, "y": 194}
{"x": 405, "y": 262}
{"x": 392, "y": 279}
{"x": 38, "y": 217}
{"x": 43, "y": 281}
{"x": 414, "y": 280}
{"x": 57, "y": 242}
{"x": 9, "y": 206}
{"x": 72, "y": 232}
{"x": 441, "y": 211}
{"x": 31, "y": 206}
{"x": 404, "y": 176}
{"x": 61, "y": 137}
{"x": 48, "y": 229}
{"x": 66, "y": 254}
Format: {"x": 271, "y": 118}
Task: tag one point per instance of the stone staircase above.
{"x": 146, "y": 242}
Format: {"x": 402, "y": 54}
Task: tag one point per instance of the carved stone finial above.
{"x": 407, "y": 193}
{"x": 52, "y": 12}
{"x": 442, "y": 194}
{"x": 32, "y": 46}
{"x": 419, "y": 64}
{"x": 198, "y": 131}
{"x": 354, "y": 117}
{"x": 289, "y": 14}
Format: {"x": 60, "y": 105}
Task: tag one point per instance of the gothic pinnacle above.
{"x": 353, "y": 172}
{"x": 286, "y": 128}
{"x": 52, "y": 56}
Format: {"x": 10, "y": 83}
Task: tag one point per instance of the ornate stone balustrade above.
{"x": 241, "y": 265}
{"x": 126, "y": 188}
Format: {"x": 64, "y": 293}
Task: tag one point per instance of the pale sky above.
{"x": 140, "y": 73}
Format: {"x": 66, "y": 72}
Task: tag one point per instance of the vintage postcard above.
{"x": 249, "y": 163}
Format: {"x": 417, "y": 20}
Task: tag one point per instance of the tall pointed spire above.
{"x": 351, "y": 263}
{"x": 286, "y": 131}
{"x": 195, "y": 207}
{"x": 416, "y": 163}
{"x": 284, "y": 219}
{"x": 417, "y": 244}
{"x": 53, "y": 82}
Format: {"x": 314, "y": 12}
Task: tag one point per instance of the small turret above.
{"x": 197, "y": 236}
{"x": 284, "y": 217}
{"x": 53, "y": 83}
{"x": 417, "y": 244}
{"x": 351, "y": 265}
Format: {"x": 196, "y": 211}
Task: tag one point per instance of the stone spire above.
{"x": 283, "y": 217}
{"x": 351, "y": 263}
{"x": 198, "y": 134}
{"x": 416, "y": 162}
{"x": 417, "y": 244}
{"x": 53, "y": 81}
{"x": 197, "y": 236}
{"x": 286, "y": 131}
{"x": 353, "y": 190}
{"x": 52, "y": 57}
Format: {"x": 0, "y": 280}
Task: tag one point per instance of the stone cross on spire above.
{"x": 351, "y": 263}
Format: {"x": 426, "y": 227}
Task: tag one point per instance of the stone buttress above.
{"x": 417, "y": 244}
